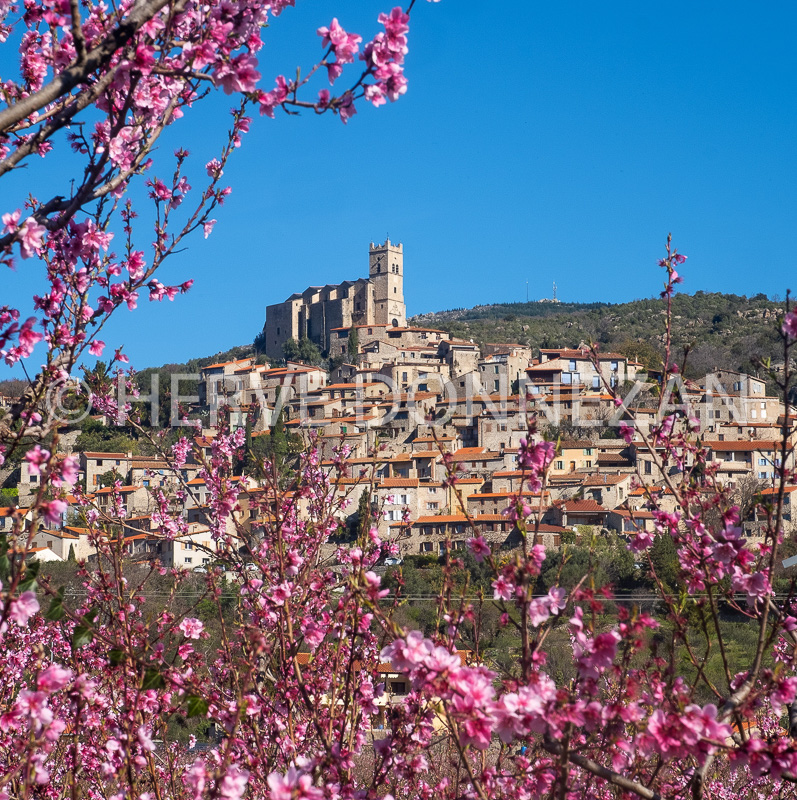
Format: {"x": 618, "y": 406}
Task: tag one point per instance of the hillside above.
{"x": 722, "y": 330}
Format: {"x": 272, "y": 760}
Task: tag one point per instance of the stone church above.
{"x": 376, "y": 300}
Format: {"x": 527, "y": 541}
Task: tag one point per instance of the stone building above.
{"x": 318, "y": 310}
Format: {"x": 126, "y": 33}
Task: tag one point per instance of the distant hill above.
{"x": 722, "y": 330}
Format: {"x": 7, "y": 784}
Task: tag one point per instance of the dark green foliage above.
{"x": 109, "y": 478}
{"x": 259, "y": 343}
{"x": 98, "y": 438}
{"x": 303, "y": 350}
{"x": 664, "y": 558}
{"x": 353, "y": 345}
{"x": 276, "y": 449}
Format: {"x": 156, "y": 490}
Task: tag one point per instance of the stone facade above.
{"x": 318, "y": 310}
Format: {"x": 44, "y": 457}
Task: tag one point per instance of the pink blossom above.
{"x": 192, "y": 628}
{"x": 503, "y": 588}
{"x": 66, "y": 472}
{"x": 96, "y": 347}
{"x": 36, "y": 457}
{"x": 239, "y": 75}
{"x": 53, "y": 678}
{"x": 479, "y": 547}
{"x": 11, "y": 221}
{"x": 233, "y": 784}
{"x": 54, "y": 511}
{"x": 23, "y": 608}
{"x": 790, "y": 325}
{"x": 281, "y": 593}
{"x": 31, "y": 238}
{"x": 207, "y": 227}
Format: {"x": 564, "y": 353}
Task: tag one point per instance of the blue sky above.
{"x": 538, "y": 142}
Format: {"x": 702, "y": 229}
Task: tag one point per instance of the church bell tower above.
{"x": 386, "y": 271}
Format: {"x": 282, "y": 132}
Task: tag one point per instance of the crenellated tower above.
{"x": 386, "y": 271}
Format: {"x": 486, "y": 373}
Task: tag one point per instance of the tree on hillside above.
{"x": 304, "y": 350}
{"x": 353, "y": 345}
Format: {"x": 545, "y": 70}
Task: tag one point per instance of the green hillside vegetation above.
{"x": 721, "y": 330}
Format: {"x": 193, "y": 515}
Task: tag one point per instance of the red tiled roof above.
{"x": 742, "y": 446}
{"x": 583, "y": 506}
{"x": 225, "y": 363}
{"x": 624, "y": 512}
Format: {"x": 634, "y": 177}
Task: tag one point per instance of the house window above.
{"x": 648, "y": 467}
{"x": 614, "y": 366}
{"x": 432, "y": 490}
{"x": 496, "y": 385}
{"x": 99, "y": 462}
{"x": 762, "y": 462}
{"x": 572, "y": 366}
{"x": 596, "y": 382}
{"x": 496, "y": 369}
{"x": 560, "y": 465}
{"x": 432, "y": 506}
{"x": 189, "y": 560}
{"x": 189, "y": 545}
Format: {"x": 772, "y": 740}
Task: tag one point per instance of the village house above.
{"x": 63, "y": 541}
{"x": 576, "y": 368}
{"x": 189, "y": 550}
{"x": 578, "y": 454}
{"x": 757, "y": 457}
{"x": 610, "y": 491}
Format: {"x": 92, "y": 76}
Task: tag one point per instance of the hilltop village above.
{"x": 411, "y": 406}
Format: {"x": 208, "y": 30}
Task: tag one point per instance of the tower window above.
{"x": 394, "y": 290}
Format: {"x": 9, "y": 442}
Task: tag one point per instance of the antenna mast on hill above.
{"x": 554, "y": 291}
